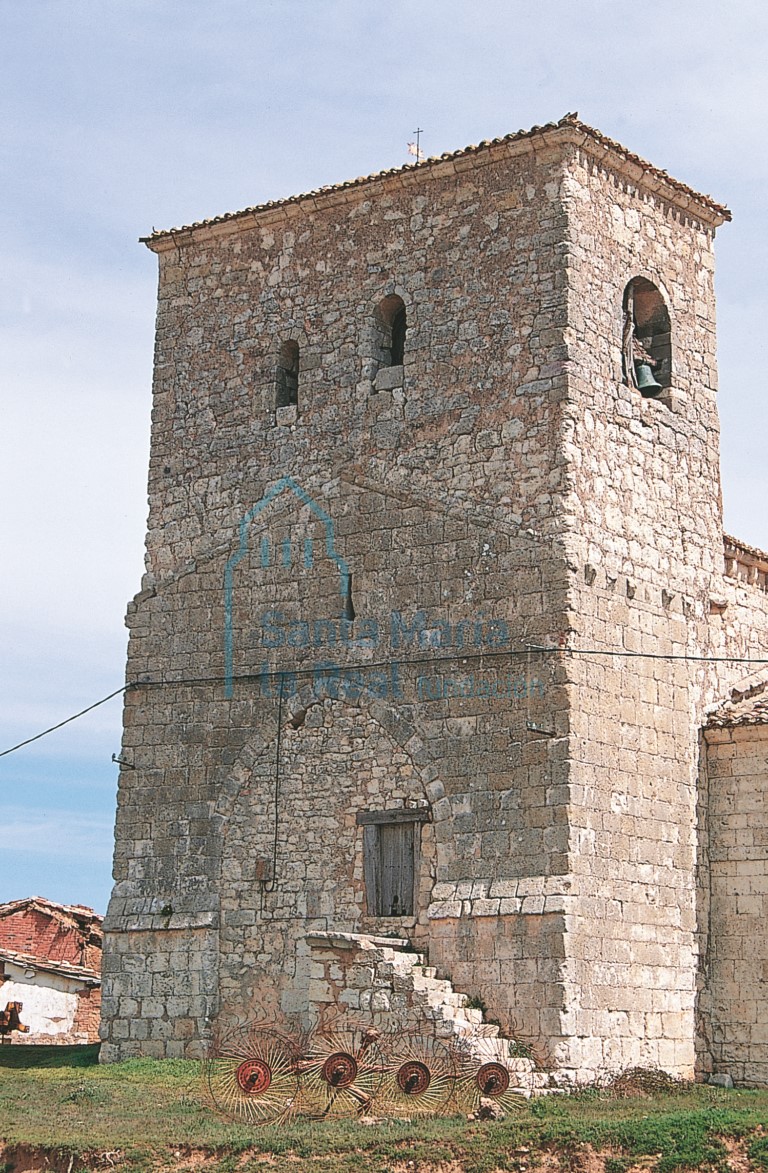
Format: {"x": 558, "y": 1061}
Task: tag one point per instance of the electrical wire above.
{"x": 270, "y": 886}
{"x": 314, "y": 669}
{"x": 66, "y": 721}
{"x": 281, "y": 673}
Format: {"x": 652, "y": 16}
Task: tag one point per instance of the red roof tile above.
{"x": 752, "y": 710}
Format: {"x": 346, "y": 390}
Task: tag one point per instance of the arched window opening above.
{"x": 390, "y": 326}
{"x": 287, "y": 375}
{"x": 647, "y": 339}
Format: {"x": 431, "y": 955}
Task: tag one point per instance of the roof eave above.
{"x": 569, "y": 130}
{"x": 80, "y": 973}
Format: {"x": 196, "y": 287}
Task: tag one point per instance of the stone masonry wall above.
{"x": 337, "y": 762}
{"x": 533, "y": 556}
{"x": 736, "y": 959}
{"x": 472, "y": 417}
{"x": 436, "y": 493}
{"x": 646, "y": 554}
{"x": 159, "y": 987}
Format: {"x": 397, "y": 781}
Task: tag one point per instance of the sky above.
{"x": 117, "y": 116}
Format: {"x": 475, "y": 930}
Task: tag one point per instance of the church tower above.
{"x": 434, "y": 532}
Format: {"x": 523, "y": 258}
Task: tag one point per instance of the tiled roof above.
{"x": 78, "y": 912}
{"x": 63, "y": 968}
{"x": 569, "y": 127}
{"x": 81, "y": 912}
{"x": 733, "y": 544}
{"x": 751, "y": 710}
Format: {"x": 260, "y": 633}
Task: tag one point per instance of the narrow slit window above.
{"x": 287, "y": 376}
{"x": 348, "y": 606}
{"x": 398, "y": 336}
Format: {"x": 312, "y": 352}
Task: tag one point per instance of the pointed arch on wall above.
{"x": 386, "y": 715}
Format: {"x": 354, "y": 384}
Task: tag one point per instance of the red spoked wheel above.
{"x": 413, "y": 1078}
{"x": 420, "y": 1076}
{"x": 483, "y": 1074}
{"x": 492, "y": 1080}
{"x": 340, "y": 1070}
{"x": 253, "y": 1078}
{"x": 340, "y": 1073}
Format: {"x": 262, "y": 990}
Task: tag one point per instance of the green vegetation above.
{"x": 475, "y": 1002}
{"x": 146, "y": 1114}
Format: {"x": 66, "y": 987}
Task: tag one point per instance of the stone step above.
{"x": 417, "y": 960}
{"x": 411, "y": 979}
{"x": 403, "y": 961}
{"x": 486, "y": 1030}
{"x": 496, "y": 1050}
{"x": 454, "y": 998}
{"x": 438, "y": 997}
{"x": 432, "y": 986}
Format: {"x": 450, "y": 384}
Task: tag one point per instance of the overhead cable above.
{"x": 485, "y": 654}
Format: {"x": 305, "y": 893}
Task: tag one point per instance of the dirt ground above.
{"x": 26, "y": 1159}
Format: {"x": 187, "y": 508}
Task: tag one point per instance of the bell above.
{"x": 645, "y": 380}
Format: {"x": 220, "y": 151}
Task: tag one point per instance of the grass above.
{"x": 145, "y": 1114}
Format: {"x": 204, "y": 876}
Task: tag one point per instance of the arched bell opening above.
{"x": 646, "y": 339}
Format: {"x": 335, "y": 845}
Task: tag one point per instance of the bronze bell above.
{"x": 646, "y": 382}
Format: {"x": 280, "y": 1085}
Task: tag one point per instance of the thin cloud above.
{"x": 61, "y": 834}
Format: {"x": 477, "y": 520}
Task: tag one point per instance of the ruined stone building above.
{"x": 440, "y": 638}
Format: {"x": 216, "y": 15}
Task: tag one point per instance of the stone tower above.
{"x": 433, "y": 541}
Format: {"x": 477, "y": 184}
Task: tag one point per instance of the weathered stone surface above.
{"x": 733, "y": 898}
{"x": 478, "y": 588}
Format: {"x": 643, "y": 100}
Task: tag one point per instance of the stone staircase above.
{"x": 382, "y": 977}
